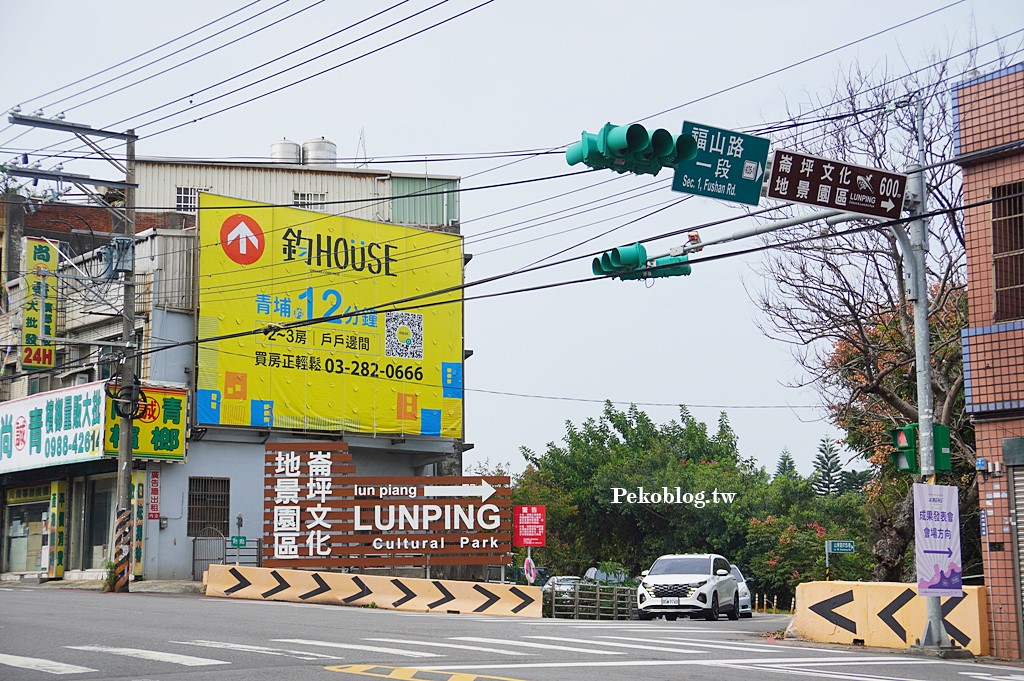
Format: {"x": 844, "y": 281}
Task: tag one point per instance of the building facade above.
{"x": 185, "y": 509}
{"x": 989, "y": 115}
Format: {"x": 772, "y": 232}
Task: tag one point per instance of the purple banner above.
{"x": 937, "y": 536}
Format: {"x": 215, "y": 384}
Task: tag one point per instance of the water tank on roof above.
{"x": 286, "y": 151}
{"x": 319, "y": 152}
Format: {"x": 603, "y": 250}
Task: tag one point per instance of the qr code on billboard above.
{"x": 403, "y": 335}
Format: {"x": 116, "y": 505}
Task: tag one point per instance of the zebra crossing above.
{"x": 557, "y": 646}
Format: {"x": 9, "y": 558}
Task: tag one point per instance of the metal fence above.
{"x": 217, "y": 550}
{"x": 591, "y": 602}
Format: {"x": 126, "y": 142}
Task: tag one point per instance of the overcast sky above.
{"x": 519, "y": 75}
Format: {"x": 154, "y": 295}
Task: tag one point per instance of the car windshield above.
{"x": 737, "y": 574}
{"x": 681, "y": 566}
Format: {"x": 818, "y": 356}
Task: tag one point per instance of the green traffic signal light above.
{"x": 905, "y": 441}
{"x": 631, "y": 149}
{"x": 670, "y": 266}
{"x": 621, "y": 260}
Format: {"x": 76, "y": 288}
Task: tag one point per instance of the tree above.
{"x": 838, "y": 294}
{"x": 827, "y": 468}
{"x": 786, "y": 466}
{"x": 853, "y": 481}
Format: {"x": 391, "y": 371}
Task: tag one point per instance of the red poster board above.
{"x": 529, "y": 525}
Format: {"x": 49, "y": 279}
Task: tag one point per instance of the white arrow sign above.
{"x": 484, "y": 490}
{"x": 888, "y": 205}
{"x": 243, "y": 234}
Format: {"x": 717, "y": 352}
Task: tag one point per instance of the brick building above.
{"x": 990, "y": 145}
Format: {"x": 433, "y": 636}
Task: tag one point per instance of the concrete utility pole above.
{"x": 123, "y": 531}
{"x": 124, "y": 263}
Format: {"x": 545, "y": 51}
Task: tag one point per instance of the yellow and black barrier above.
{"x": 390, "y": 593}
{"x": 885, "y": 614}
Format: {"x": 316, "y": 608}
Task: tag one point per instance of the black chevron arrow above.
{"x": 492, "y": 598}
{"x": 409, "y": 593}
{"x": 958, "y": 636}
{"x": 281, "y": 585}
{"x": 447, "y": 596}
{"x": 527, "y": 599}
{"x": 888, "y": 613}
{"x": 242, "y": 582}
{"x": 322, "y": 588}
{"x": 363, "y": 591}
{"x": 827, "y": 607}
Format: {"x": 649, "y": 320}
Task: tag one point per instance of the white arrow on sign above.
{"x": 243, "y": 234}
{"x": 760, "y": 171}
{"x": 484, "y": 490}
{"x": 888, "y": 205}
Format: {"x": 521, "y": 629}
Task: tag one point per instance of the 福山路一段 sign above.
{"x": 318, "y": 514}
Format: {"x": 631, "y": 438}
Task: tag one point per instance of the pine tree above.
{"x": 853, "y": 481}
{"x": 786, "y": 466}
{"x": 827, "y": 468}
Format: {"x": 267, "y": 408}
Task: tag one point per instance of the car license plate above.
{"x": 674, "y": 600}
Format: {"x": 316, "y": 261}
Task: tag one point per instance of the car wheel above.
{"x": 670, "y": 618}
{"x": 711, "y": 614}
{"x": 734, "y": 614}
{"x": 644, "y": 615}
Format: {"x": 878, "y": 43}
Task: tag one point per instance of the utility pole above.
{"x": 123, "y": 528}
{"x": 934, "y": 632}
{"x": 124, "y": 263}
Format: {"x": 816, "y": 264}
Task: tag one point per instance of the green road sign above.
{"x": 838, "y": 547}
{"x": 238, "y": 542}
{"x": 728, "y": 165}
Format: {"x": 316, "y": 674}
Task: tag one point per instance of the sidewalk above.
{"x": 146, "y": 586}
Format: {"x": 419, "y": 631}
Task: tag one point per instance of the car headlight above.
{"x": 645, "y": 586}
{"x": 697, "y": 585}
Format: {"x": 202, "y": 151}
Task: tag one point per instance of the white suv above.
{"x": 685, "y": 584}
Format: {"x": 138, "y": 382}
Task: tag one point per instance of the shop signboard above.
{"x": 373, "y": 362}
{"x": 157, "y": 435}
{"x": 40, "y": 304}
{"x": 52, "y": 428}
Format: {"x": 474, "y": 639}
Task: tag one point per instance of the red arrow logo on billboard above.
{"x": 242, "y": 239}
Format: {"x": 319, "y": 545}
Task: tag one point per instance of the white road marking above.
{"x": 38, "y": 665}
{"x": 526, "y": 644}
{"x": 743, "y": 644}
{"x": 635, "y": 646}
{"x": 242, "y": 647}
{"x": 448, "y": 645}
{"x": 356, "y": 646}
{"x": 818, "y": 673}
{"x": 665, "y": 663}
{"x": 738, "y": 645}
{"x": 153, "y": 655}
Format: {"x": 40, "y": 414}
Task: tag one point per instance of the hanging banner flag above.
{"x": 937, "y": 539}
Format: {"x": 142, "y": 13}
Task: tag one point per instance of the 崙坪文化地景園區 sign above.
{"x": 828, "y": 183}
{"x": 729, "y": 165}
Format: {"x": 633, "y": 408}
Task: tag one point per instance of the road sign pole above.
{"x": 827, "y": 552}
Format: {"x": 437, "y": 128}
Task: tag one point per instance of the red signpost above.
{"x": 529, "y": 526}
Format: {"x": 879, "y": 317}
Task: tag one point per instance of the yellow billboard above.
{"x": 309, "y": 331}
{"x": 41, "y": 261}
{"x": 159, "y": 433}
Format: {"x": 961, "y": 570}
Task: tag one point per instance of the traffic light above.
{"x": 905, "y": 441}
{"x": 621, "y": 261}
{"x": 630, "y": 262}
{"x": 631, "y": 149}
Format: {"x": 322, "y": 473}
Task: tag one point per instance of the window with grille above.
{"x": 41, "y": 384}
{"x": 208, "y": 506}
{"x": 1008, "y": 250}
{"x": 313, "y": 199}
{"x": 186, "y": 199}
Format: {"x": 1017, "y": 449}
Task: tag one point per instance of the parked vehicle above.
{"x": 560, "y": 583}
{"x": 746, "y": 608}
{"x": 685, "y": 584}
{"x": 601, "y": 577}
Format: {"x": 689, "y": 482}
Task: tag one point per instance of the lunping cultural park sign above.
{"x": 319, "y": 514}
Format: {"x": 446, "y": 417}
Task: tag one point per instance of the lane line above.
{"x": 774, "y": 647}
{"x": 449, "y": 645}
{"x": 356, "y": 646}
{"x": 768, "y": 662}
{"x": 635, "y": 646}
{"x": 526, "y": 644}
{"x": 152, "y": 655}
{"x": 40, "y": 665}
{"x": 245, "y": 648}
{"x": 739, "y": 645}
